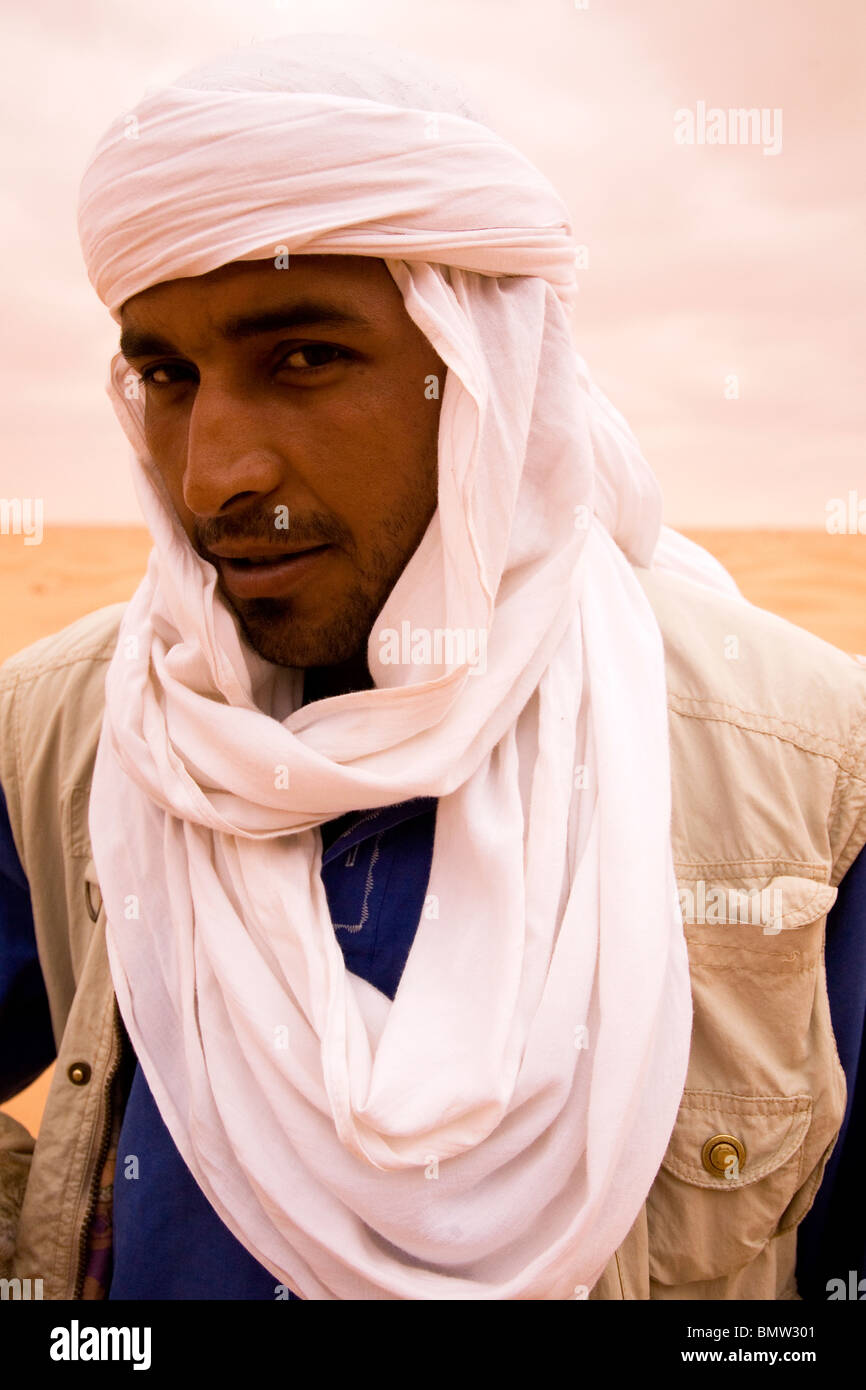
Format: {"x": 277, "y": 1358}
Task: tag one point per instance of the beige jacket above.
{"x": 768, "y": 738}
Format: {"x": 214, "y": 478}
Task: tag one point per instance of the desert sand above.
{"x": 813, "y": 579}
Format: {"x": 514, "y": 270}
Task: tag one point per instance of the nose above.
{"x": 229, "y": 456}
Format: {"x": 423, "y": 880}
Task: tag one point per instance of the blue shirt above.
{"x": 168, "y": 1241}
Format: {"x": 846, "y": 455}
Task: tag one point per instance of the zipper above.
{"x": 108, "y": 1104}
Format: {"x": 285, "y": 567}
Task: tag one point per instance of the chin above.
{"x": 281, "y": 637}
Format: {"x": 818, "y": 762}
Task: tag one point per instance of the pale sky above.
{"x": 706, "y": 261}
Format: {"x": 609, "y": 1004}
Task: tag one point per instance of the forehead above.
{"x": 348, "y": 287}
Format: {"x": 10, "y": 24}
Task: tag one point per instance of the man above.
{"x": 367, "y": 791}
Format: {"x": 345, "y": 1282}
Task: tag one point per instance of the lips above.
{"x": 263, "y": 560}
{"x": 268, "y": 573}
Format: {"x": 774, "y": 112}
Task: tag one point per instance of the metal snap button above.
{"x": 79, "y": 1073}
{"x": 723, "y": 1154}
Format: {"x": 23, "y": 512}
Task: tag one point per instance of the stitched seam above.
{"x": 368, "y": 888}
{"x": 858, "y": 838}
{"x": 842, "y": 757}
{"x": 47, "y": 665}
{"x": 848, "y": 759}
{"x": 811, "y": 1186}
{"x": 757, "y": 717}
{"x": 823, "y": 979}
{"x": 798, "y": 1117}
{"x": 772, "y": 1165}
{"x": 755, "y": 951}
{"x": 369, "y": 815}
{"x": 731, "y": 863}
{"x": 803, "y": 914}
{"x": 779, "y": 1105}
{"x": 859, "y": 732}
{"x": 835, "y": 801}
{"x": 744, "y": 970}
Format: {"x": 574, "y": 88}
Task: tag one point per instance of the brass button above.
{"x": 718, "y": 1152}
{"x": 79, "y": 1073}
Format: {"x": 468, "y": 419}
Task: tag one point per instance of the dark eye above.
{"x": 165, "y": 374}
{"x": 323, "y": 354}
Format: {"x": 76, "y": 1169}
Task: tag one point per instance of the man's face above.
{"x": 299, "y": 395}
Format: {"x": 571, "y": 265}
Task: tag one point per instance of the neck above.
{"x": 321, "y": 682}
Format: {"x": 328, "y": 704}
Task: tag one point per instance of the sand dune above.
{"x": 810, "y": 578}
{"x": 74, "y": 570}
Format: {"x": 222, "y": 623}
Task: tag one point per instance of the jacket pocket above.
{"x": 764, "y": 1094}
{"x": 732, "y": 1167}
{"x": 16, "y": 1155}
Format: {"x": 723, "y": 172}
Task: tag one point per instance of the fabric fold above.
{"x": 492, "y": 1133}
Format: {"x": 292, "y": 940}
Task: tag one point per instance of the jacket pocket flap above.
{"x": 802, "y": 899}
{"x": 769, "y": 1128}
{"x": 784, "y": 902}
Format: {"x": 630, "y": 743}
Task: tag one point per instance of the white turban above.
{"x": 492, "y": 1133}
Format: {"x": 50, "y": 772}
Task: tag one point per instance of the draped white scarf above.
{"x": 492, "y": 1133}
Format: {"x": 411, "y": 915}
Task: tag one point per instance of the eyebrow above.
{"x": 307, "y": 313}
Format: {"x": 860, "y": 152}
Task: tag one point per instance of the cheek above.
{"x": 382, "y": 461}
{"x": 166, "y": 434}
{"x": 166, "y": 443}
{"x": 400, "y": 422}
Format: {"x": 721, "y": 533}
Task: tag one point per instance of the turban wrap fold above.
{"x": 492, "y": 1133}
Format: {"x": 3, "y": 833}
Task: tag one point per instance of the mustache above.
{"x": 307, "y": 528}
